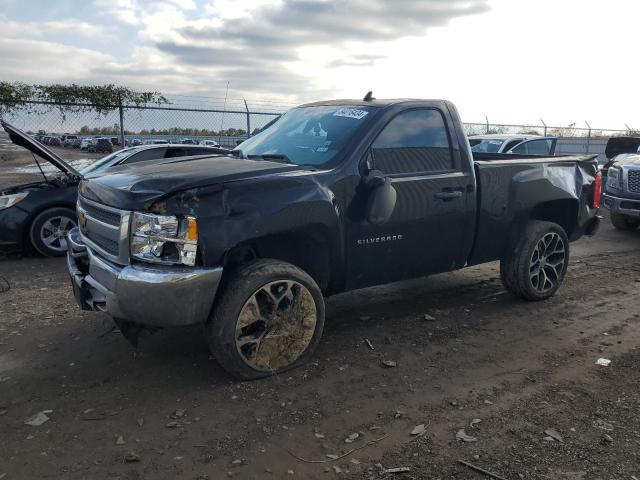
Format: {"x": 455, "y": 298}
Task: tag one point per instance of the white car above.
{"x": 209, "y": 143}
{"x": 519, "y": 144}
{"x": 86, "y": 143}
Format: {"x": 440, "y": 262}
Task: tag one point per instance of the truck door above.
{"x": 434, "y": 208}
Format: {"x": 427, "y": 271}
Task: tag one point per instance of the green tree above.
{"x": 73, "y": 98}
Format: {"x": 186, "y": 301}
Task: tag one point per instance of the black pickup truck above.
{"x": 333, "y": 196}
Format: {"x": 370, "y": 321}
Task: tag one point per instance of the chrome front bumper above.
{"x": 622, "y": 206}
{"x": 147, "y": 295}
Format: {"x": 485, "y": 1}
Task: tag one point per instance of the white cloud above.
{"x": 46, "y": 62}
{"x": 43, "y": 29}
{"x": 126, "y": 11}
{"x": 516, "y": 61}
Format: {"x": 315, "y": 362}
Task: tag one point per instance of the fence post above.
{"x": 121, "y": 110}
{"x": 487, "y": 120}
{"x": 248, "y": 119}
{"x": 588, "y": 137}
{"x": 545, "y": 127}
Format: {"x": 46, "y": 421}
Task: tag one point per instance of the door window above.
{"x": 415, "y": 141}
{"x": 147, "y": 154}
{"x": 511, "y": 144}
{"x": 534, "y": 147}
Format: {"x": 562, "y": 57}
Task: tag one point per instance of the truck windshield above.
{"x": 485, "y": 145}
{"x": 308, "y": 135}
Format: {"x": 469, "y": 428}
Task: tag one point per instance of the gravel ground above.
{"x": 526, "y": 371}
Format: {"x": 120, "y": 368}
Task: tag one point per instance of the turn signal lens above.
{"x": 192, "y": 229}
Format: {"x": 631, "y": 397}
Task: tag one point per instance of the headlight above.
{"x": 614, "y": 178}
{"x": 7, "y": 201}
{"x": 164, "y": 238}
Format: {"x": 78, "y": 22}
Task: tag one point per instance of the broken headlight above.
{"x": 164, "y": 239}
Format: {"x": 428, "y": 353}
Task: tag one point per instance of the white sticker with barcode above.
{"x": 351, "y": 113}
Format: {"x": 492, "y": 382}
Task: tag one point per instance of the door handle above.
{"x": 448, "y": 195}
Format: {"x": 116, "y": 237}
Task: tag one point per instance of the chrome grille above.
{"x": 105, "y": 243}
{"x": 106, "y": 216}
{"x": 633, "y": 181}
{"x": 105, "y": 229}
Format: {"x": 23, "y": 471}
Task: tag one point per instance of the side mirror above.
{"x": 381, "y": 200}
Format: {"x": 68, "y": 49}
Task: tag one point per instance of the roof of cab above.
{"x": 375, "y": 102}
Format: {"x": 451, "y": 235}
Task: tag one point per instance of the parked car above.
{"x": 76, "y": 143}
{"x": 334, "y": 196}
{"x": 67, "y": 140}
{"x": 622, "y": 184}
{"x": 115, "y": 141}
{"x": 135, "y": 142}
{"x": 38, "y": 215}
{"x": 158, "y": 141}
{"x": 188, "y": 141}
{"x": 516, "y": 144}
{"x": 101, "y": 145}
{"x": 210, "y": 143}
{"x": 86, "y": 143}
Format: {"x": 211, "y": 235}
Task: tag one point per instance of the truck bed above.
{"x": 509, "y": 191}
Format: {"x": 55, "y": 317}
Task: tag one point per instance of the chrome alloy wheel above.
{"x": 547, "y": 262}
{"x": 276, "y": 325}
{"x": 53, "y": 232}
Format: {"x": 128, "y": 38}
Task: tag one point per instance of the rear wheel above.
{"x": 268, "y": 318}
{"x": 623, "y": 222}
{"x": 535, "y": 266}
{"x": 48, "y": 231}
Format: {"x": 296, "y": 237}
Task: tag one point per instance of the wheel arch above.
{"x": 563, "y": 212}
{"x": 309, "y": 248}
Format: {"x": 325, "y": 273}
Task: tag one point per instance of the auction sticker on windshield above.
{"x": 351, "y": 113}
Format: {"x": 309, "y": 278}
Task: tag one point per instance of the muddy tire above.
{"x": 622, "y": 222}
{"x": 536, "y": 263}
{"x": 49, "y": 229}
{"x": 268, "y": 318}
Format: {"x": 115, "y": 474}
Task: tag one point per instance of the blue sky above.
{"x": 566, "y": 61}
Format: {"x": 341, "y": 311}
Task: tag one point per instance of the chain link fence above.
{"x": 189, "y": 119}
{"x": 177, "y": 122}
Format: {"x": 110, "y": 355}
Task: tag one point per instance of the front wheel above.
{"x": 268, "y": 319}
{"x": 536, "y": 264}
{"x": 622, "y": 222}
{"x": 48, "y": 231}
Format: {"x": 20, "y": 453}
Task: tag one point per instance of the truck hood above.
{"x": 617, "y": 145}
{"x": 137, "y": 187}
{"x": 629, "y": 159}
{"x": 22, "y": 139}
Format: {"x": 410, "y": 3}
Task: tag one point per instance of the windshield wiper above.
{"x": 272, "y": 156}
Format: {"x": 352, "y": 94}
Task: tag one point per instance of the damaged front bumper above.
{"x": 156, "y": 296}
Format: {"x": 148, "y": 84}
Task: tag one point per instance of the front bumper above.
{"x": 622, "y": 206}
{"x": 156, "y": 296}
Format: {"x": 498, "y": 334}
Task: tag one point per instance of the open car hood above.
{"x": 618, "y": 145}
{"x": 22, "y": 139}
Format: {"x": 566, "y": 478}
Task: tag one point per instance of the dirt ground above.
{"x": 526, "y": 371}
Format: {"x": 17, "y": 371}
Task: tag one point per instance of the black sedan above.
{"x": 40, "y": 214}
